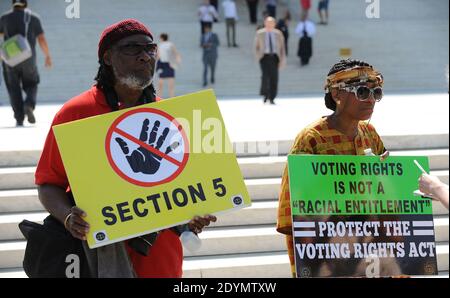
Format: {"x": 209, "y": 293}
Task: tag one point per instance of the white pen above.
{"x": 420, "y": 167}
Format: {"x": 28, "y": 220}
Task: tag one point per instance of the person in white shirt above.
{"x": 168, "y": 61}
{"x": 231, "y": 17}
{"x": 305, "y": 30}
{"x": 207, "y": 15}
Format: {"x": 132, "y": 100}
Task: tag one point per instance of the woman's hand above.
{"x": 384, "y": 156}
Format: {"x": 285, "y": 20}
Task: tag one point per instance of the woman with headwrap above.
{"x": 352, "y": 90}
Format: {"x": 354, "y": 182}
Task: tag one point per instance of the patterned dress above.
{"x": 319, "y": 138}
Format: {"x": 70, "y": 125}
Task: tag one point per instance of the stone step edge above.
{"x": 31, "y": 170}
{"x": 442, "y": 248}
{"x": 269, "y": 159}
{"x": 209, "y": 235}
{"x": 16, "y": 218}
{"x": 286, "y": 144}
{"x": 190, "y": 264}
{"x": 257, "y": 203}
{"x": 19, "y": 273}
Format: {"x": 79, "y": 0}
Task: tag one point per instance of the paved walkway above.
{"x": 409, "y": 43}
{"x": 251, "y": 120}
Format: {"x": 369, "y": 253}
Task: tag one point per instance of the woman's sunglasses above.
{"x": 363, "y": 93}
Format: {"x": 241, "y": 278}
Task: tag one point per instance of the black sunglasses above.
{"x": 134, "y": 49}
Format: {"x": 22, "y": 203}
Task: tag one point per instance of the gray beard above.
{"x": 133, "y": 82}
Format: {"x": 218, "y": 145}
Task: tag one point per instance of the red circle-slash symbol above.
{"x": 147, "y": 164}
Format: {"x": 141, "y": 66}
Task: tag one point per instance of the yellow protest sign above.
{"x": 151, "y": 167}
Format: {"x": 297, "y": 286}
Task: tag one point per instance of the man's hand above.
{"x": 48, "y": 62}
{"x": 44, "y": 46}
{"x": 197, "y": 224}
{"x": 141, "y": 160}
{"x": 75, "y": 223}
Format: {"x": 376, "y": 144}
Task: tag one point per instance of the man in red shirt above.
{"x": 127, "y": 57}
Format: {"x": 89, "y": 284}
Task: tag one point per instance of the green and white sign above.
{"x": 358, "y": 216}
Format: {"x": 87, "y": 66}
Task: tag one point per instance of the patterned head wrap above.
{"x": 354, "y": 75}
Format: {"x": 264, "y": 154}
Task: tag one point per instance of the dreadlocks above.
{"x": 341, "y": 65}
{"x": 105, "y": 81}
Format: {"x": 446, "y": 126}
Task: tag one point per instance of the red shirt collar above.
{"x": 100, "y": 98}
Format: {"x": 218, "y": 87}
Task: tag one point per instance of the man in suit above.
{"x": 209, "y": 42}
{"x": 270, "y": 52}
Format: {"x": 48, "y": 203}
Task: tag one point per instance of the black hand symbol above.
{"x": 141, "y": 160}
